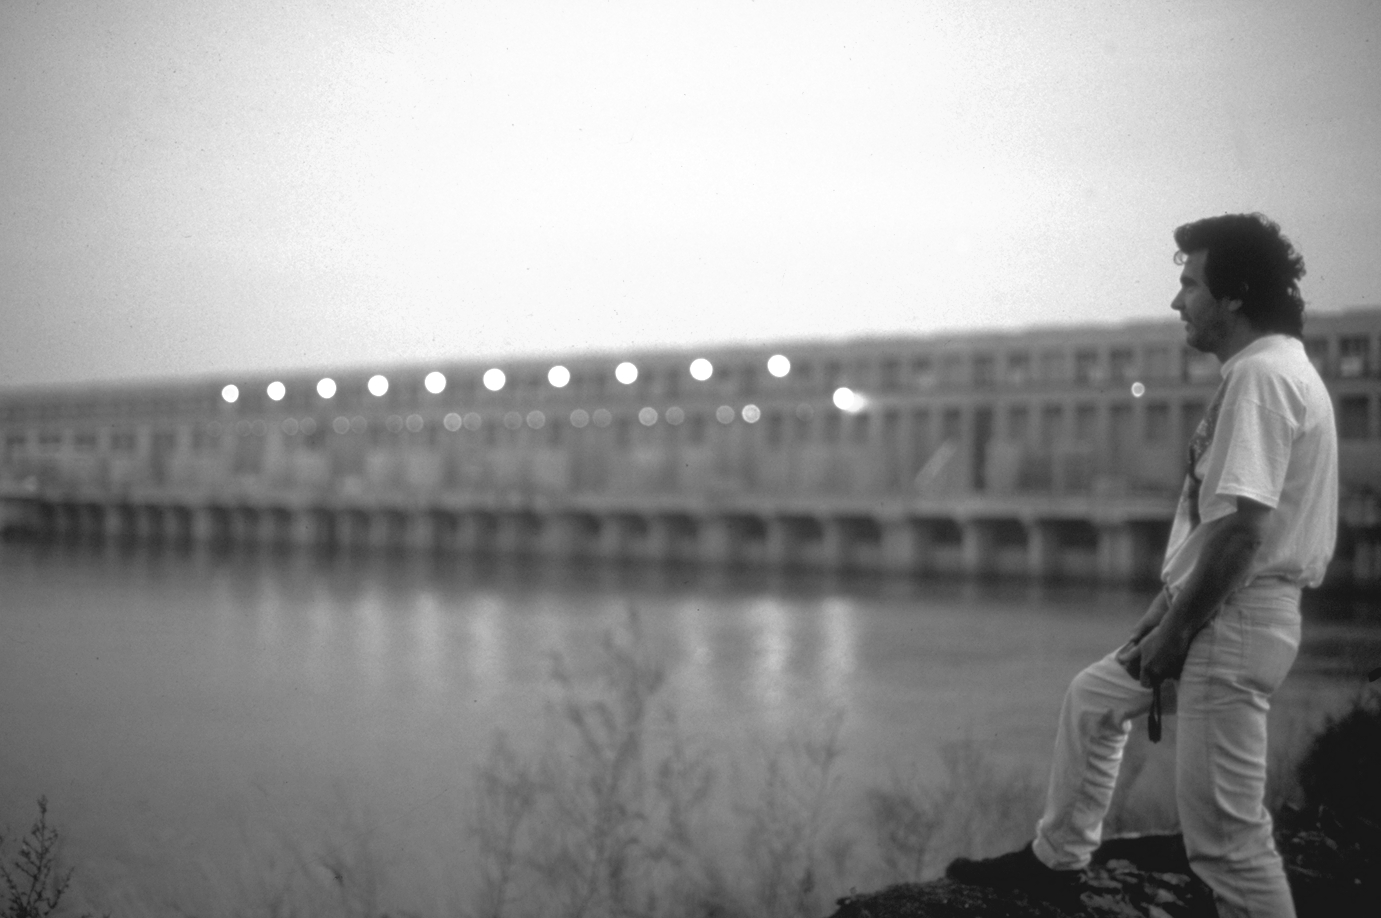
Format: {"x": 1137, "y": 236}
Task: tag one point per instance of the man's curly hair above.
{"x": 1249, "y": 259}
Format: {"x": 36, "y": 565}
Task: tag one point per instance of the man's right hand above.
{"x": 1129, "y": 655}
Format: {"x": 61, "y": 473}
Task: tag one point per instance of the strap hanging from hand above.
{"x": 1154, "y": 718}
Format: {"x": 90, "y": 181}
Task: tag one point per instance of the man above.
{"x": 1256, "y": 522}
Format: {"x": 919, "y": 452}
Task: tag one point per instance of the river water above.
{"x": 182, "y": 710}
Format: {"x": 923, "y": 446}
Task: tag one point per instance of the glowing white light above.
{"x": 326, "y": 387}
{"x": 724, "y": 414}
{"x": 580, "y": 417}
{"x": 558, "y": 376}
{"x": 675, "y": 416}
{"x": 414, "y": 423}
{"x": 701, "y": 369}
{"x": 536, "y": 420}
{"x": 846, "y": 399}
{"x": 494, "y": 379}
{"x": 452, "y": 422}
{"x": 751, "y": 413}
{"x": 1138, "y": 390}
{"x": 778, "y": 365}
{"x": 435, "y": 382}
{"x": 378, "y": 385}
{"x": 647, "y": 416}
{"x": 277, "y": 390}
{"x": 230, "y": 393}
{"x": 473, "y": 421}
{"x": 625, "y": 372}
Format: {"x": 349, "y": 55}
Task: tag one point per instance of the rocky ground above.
{"x": 1332, "y": 873}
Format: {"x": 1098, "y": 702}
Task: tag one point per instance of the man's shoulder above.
{"x": 1277, "y": 357}
{"x": 1278, "y": 375}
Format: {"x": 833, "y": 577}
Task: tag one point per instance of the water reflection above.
{"x": 179, "y": 679}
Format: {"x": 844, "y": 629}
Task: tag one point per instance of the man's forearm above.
{"x": 1222, "y": 567}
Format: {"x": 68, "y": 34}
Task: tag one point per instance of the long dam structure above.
{"x": 1052, "y": 452}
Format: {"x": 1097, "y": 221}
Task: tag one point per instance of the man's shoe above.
{"x": 1016, "y": 870}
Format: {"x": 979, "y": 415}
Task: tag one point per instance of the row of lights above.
{"x": 495, "y": 379}
{"x": 513, "y": 420}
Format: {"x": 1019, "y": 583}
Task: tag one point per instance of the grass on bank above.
{"x": 619, "y": 813}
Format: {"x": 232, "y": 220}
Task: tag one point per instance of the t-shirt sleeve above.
{"x": 1250, "y": 453}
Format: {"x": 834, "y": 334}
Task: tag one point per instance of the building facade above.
{"x": 1045, "y": 452}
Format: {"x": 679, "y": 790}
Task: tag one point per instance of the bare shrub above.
{"x": 978, "y": 810}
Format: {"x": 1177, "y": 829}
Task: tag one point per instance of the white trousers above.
{"x": 1221, "y": 700}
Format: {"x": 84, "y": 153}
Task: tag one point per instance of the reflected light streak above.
{"x": 697, "y": 675}
{"x": 840, "y": 648}
{"x": 486, "y": 644}
{"x": 772, "y": 650}
{"x": 371, "y": 636}
{"x": 429, "y": 642}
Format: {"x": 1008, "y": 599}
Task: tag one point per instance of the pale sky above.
{"x": 199, "y": 187}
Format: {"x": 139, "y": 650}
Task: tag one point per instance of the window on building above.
{"x": 1156, "y": 362}
{"x": 1018, "y": 423}
{"x": 952, "y": 370}
{"x": 923, "y": 372}
{"x": 1353, "y": 354}
{"x": 1121, "y": 364}
{"x": 951, "y": 424}
{"x": 1052, "y": 424}
{"x": 920, "y": 433}
{"x": 775, "y": 425}
{"x": 984, "y": 370}
{"x": 1085, "y": 367}
{"x": 891, "y": 375}
{"x": 1157, "y": 423}
{"x": 1052, "y": 366}
{"x": 1354, "y": 417}
{"x": 1085, "y": 422}
{"x": 1018, "y": 368}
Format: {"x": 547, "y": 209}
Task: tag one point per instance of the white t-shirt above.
{"x": 1275, "y": 443}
